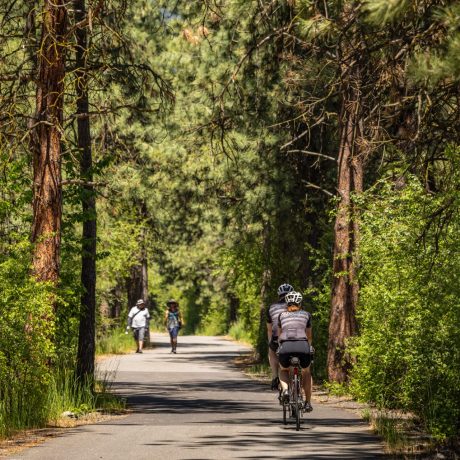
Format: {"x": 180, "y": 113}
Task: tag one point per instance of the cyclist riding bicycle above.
{"x": 273, "y": 313}
{"x": 295, "y": 334}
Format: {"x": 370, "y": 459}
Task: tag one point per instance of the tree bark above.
{"x": 134, "y": 285}
{"x": 262, "y": 343}
{"x": 46, "y": 143}
{"x": 138, "y": 284}
{"x": 116, "y": 303}
{"x": 87, "y": 329}
{"x": 345, "y": 286}
{"x": 233, "y": 308}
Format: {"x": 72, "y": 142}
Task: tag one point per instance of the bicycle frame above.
{"x": 295, "y": 404}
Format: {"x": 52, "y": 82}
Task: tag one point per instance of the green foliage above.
{"x": 442, "y": 62}
{"x": 389, "y": 427}
{"x": 115, "y": 342}
{"x": 65, "y": 394}
{"x": 26, "y": 346}
{"x": 37, "y": 383}
{"x": 239, "y": 332}
{"x": 408, "y": 349}
{"x": 337, "y": 389}
{"x": 384, "y": 11}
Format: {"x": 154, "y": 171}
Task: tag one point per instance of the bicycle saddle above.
{"x": 295, "y": 361}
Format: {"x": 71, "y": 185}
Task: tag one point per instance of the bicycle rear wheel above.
{"x": 296, "y": 402}
{"x": 284, "y": 414}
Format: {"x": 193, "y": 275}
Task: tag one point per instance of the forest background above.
{"x": 212, "y": 150}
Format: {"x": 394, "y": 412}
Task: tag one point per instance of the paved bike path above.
{"x": 196, "y": 405}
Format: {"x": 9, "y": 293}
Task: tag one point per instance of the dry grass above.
{"x": 30, "y": 438}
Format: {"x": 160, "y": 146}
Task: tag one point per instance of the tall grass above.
{"x": 19, "y": 410}
{"x": 66, "y": 394}
{"x": 27, "y": 406}
{"x": 393, "y": 428}
{"x": 260, "y": 370}
{"x": 239, "y": 332}
{"x": 115, "y": 343}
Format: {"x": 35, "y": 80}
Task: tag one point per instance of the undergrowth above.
{"x": 115, "y": 343}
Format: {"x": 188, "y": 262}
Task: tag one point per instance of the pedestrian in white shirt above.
{"x": 138, "y": 321}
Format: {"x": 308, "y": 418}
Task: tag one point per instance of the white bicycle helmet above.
{"x": 284, "y": 289}
{"x": 294, "y": 298}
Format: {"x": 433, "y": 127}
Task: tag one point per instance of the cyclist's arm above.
{"x": 269, "y": 323}
{"x": 166, "y": 319}
{"x": 308, "y": 329}
{"x": 269, "y": 331}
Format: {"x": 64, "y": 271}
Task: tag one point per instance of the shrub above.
{"x": 26, "y": 347}
{"x": 408, "y": 351}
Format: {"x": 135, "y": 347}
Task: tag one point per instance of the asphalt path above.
{"x": 198, "y": 405}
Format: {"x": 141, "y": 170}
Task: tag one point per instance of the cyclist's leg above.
{"x": 284, "y": 356}
{"x": 274, "y": 363}
{"x": 284, "y": 377}
{"x": 302, "y": 351}
{"x": 307, "y": 383}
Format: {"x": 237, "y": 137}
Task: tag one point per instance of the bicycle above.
{"x": 294, "y": 406}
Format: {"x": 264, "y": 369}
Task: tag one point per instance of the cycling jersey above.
{"x": 273, "y": 313}
{"x": 293, "y": 325}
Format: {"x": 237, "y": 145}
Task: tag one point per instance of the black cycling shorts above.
{"x": 295, "y": 349}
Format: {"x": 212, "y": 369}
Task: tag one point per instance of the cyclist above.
{"x": 295, "y": 341}
{"x": 173, "y": 322}
{"x": 273, "y": 313}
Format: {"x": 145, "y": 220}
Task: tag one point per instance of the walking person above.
{"x": 173, "y": 322}
{"x": 138, "y": 321}
{"x": 272, "y": 315}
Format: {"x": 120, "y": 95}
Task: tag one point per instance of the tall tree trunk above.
{"x": 262, "y": 343}
{"x": 116, "y": 304}
{"x": 134, "y": 285}
{"x": 345, "y": 287}
{"x": 46, "y": 143}
{"x": 144, "y": 269}
{"x": 233, "y": 308}
{"x": 138, "y": 284}
{"x": 87, "y": 330}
